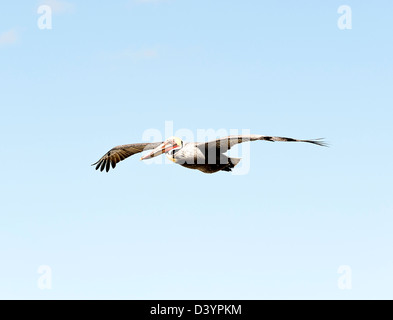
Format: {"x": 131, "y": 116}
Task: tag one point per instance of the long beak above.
{"x": 163, "y": 148}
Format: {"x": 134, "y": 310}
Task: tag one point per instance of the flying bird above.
{"x": 207, "y": 157}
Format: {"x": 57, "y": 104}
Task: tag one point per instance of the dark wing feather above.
{"x": 119, "y": 153}
{"x": 224, "y": 144}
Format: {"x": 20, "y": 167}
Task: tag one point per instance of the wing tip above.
{"x": 320, "y": 142}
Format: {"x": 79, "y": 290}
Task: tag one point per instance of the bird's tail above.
{"x": 233, "y": 162}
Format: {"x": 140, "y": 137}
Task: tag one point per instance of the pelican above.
{"x": 207, "y": 157}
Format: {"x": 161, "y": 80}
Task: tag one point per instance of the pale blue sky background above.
{"x": 110, "y": 70}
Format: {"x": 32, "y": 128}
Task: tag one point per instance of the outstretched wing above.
{"x": 122, "y": 152}
{"x": 224, "y": 144}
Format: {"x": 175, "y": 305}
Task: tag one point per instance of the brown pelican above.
{"x": 207, "y": 157}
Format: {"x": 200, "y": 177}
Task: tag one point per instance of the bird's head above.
{"x": 169, "y": 144}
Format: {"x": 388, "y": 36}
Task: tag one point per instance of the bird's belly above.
{"x": 195, "y": 159}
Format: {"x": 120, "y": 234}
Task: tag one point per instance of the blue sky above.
{"x": 107, "y": 72}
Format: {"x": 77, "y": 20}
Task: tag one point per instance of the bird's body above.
{"x": 193, "y": 155}
{"x": 207, "y": 157}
